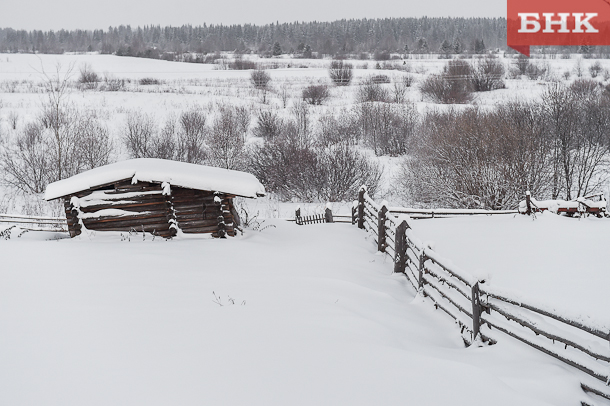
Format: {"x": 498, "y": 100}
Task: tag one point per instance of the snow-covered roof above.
{"x": 160, "y": 170}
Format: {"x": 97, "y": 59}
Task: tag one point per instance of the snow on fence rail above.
{"x": 480, "y": 310}
{"x": 35, "y": 223}
{"x": 433, "y": 213}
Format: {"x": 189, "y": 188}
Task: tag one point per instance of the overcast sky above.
{"x": 91, "y": 14}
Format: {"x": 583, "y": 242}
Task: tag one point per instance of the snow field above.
{"x": 318, "y": 318}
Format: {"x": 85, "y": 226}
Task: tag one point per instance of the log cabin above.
{"x": 155, "y": 196}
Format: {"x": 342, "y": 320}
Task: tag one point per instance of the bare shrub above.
{"x": 400, "y": 88}
{"x": 227, "y": 139}
{"x": 139, "y": 134}
{"x": 268, "y": 124}
{"x": 488, "y": 74}
{"x": 577, "y": 123}
{"x": 13, "y": 119}
{"x": 341, "y": 73}
{"x": 316, "y": 94}
{"x": 88, "y": 78}
{"x": 260, "y": 78}
{"x": 439, "y": 89}
{"x": 476, "y": 159}
{"x": 284, "y": 93}
{"x": 380, "y": 79}
{"x": 26, "y": 162}
{"x": 520, "y": 65}
{"x": 585, "y": 88}
{"x": 372, "y": 91}
{"x": 388, "y": 128}
{"x": 595, "y": 69}
{"x": 149, "y": 81}
{"x": 113, "y": 84}
{"x": 344, "y": 170}
{"x": 452, "y": 86}
{"x": 338, "y": 127}
{"x": 191, "y": 137}
{"x": 95, "y": 147}
{"x": 308, "y": 173}
{"x": 536, "y": 71}
{"x": 242, "y": 64}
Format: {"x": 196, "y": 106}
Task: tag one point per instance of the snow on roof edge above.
{"x": 179, "y": 174}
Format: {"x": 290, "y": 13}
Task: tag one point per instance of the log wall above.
{"x": 148, "y": 207}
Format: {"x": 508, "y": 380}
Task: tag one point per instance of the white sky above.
{"x": 89, "y": 14}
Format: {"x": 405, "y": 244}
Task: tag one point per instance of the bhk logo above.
{"x": 557, "y": 22}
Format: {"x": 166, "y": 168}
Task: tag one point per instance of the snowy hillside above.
{"x": 290, "y": 315}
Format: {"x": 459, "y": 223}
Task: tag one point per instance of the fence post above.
{"x": 354, "y": 212}
{"x": 400, "y": 260}
{"x": 476, "y": 310}
{"x": 422, "y": 261}
{"x": 381, "y": 232}
{"x": 528, "y": 202}
{"x": 328, "y": 215}
{"x": 361, "y": 208}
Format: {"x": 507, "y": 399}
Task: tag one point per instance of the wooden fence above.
{"x": 35, "y": 223}
{"x": 327, "y": 217}
{"x": 481, "y": 310}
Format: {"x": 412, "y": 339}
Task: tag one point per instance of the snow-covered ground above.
{"x": 558, "y": 261}
{"x": 292, "y": 315}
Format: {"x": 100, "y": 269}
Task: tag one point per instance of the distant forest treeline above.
{"x": 377, "y": 37}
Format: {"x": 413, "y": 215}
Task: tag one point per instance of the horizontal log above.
{"x": 192, "y": 204}
{"x": 589, "y": 329}
{"x": 527, "y": 324}
{"x": 162, "y": 227}
{"x": 195, "y": 230}
{"x": 209, "y": 212}
{"x": 117, "y": 197}
{"x": 126, "y": 222}
{"x": 569, "y": 361}
{"x": 152, "y": 205}
{"x": 196, "y": 223}
{"x": 148, "y": 215}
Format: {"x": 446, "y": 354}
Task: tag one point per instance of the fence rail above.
{"x": 481, "y": 310}
{"x": 35, "y": 223}
{"x": 436, "y": 213}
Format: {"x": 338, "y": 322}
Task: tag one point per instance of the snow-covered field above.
{"x": 292, "y": 315}
{"x": 559, "y": 261}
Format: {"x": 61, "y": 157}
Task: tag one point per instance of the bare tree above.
{"x": 59, "y": 117}
{"x": 139, "y": 134}
{"x": 227, "y": 139}
{"x": 95, "y": 148}
{"x": 191, "y": 137}
{"x": 26, "y": 163}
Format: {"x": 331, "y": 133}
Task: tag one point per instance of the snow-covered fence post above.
{"x": 528, "y": 202}
{"x": 354, "y": 212}
{"x": 381, "y": 231}
{"x": 361, "y": 207}
{"x": 400, "y": 247}
{"x": 422, "y": 262}
{"x": 328, "y": 214}
{"x": 297, "y": 212}
{"x": 476, "y": 310}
